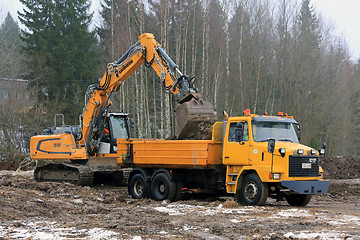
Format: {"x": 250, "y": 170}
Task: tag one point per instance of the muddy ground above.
{"x": 33, "y": 210}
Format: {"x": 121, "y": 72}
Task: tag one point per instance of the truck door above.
{"x": 236, "y": 148}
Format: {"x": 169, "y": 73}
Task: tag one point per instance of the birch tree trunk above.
{"x": 142, "y": 96}
{"x": 193, "y": 57}
{"x": 204, "y": 49}
{"x": 257, "y": 84}
{"x": 217, "y": 77}
{"x": 227, "y": 49}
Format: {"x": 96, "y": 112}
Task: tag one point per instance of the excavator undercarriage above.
{"x": 65, "y": 172}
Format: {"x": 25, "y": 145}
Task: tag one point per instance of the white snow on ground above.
{"x": 183, "y": 209}
{"x": 292, "y": 213}
{"x": 319, "y": 235}
{"x": 50, "y": 230}
{"x": 344, "y": 219}
{"x": 243, "y": 215}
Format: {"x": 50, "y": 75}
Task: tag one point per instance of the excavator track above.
{"x": 64, "y": 172}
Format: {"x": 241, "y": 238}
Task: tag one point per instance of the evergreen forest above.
{"x": 264, "y": 55}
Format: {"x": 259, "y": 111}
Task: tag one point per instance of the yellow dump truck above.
{"x": 252, "y": 157}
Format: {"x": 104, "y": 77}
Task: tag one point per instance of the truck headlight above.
{"x": 282, "y": 151}
{"x": 313, "y": 152}
{"x": 276, "y": 176}
{"x": 300, "y": 151}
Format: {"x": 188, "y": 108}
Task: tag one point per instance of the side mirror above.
{"x": 131, "y": 123}
{"x": 271, "y": 145}
{"x": 239, "y": 132}
{"x": 322, "y": 151}
{"x": 298, "y": 131}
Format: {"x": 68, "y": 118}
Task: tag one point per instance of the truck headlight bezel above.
{"x": 282, "y": 151}
{"x": 276, "y": 176}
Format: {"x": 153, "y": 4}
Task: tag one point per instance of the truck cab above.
{"x": 264, "y": 157}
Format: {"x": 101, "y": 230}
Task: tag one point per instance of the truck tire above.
{"x": 163, "y": 188}
{"x": 252, "y": 191}
{"x": 178, "y": 195}
{"x": 138, "y": 187}
{"x": 299, "y": 200}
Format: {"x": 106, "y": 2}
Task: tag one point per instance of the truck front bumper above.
{"x": 307, "y": 187}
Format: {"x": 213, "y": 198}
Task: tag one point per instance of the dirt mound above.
{"x": 204, "y": 133}
{"x": 340, "y": 167}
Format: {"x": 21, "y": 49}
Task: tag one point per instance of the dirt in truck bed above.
{"x": 47, "y": 210}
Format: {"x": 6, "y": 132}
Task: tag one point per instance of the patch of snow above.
{"x": 79, "y": 200}
{"x": 137, "y": 238}
{"x": 187, "y": 228}
{"x": 183, "y": 209}
{"x": 292, "y": 213}
{"x": 234, "y": 221}
{"x": 170, "y": 211}
{"x": 51, "y": 230}
{"x": 314, "y": 235}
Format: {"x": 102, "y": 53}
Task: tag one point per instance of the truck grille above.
{"x": 303, "y": 166}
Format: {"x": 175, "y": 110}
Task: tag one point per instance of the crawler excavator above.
{"x": 83, "y": 152}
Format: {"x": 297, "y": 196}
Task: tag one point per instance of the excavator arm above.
{"x": 147, "y": 50}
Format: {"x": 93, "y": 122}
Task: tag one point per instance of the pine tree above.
{"x": 60, "y": 52}
{"x": 10, "y": 56}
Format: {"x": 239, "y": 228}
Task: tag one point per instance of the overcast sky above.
{"x": 343, "y": 14}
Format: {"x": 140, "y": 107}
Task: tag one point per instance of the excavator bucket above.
{"x": 191, "y": 115}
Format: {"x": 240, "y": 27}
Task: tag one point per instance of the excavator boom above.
{"x": 192, "y": 111}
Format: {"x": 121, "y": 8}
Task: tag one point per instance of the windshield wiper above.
{"x": 285, "y": 140}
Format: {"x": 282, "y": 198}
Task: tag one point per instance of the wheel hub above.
{"x": 251, "y": 191}
{"x": 138, "y": 188}
{"x": 162, "y": 188}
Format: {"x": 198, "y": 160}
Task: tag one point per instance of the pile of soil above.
{"x": 204, "y": 132}
{"x": 340, "y": 167}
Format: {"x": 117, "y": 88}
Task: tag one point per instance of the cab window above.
{"x": 233, "y": 126}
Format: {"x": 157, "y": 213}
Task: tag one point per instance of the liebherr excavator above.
{"x": 84, "y": 151}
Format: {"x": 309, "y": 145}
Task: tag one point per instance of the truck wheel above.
{"x": 176, "y": 194}
{"x": 162, "y": 188}
{"x": 138, "y": 187}
{"x": 299, "y": 200}
{"x": 252, "y": 191}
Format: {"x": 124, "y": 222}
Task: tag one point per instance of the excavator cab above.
{"x": 117, "y": 125}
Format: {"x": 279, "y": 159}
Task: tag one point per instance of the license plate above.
{"x": 306, "y": 166}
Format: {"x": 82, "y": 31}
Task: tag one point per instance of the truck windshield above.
{"x": 119, "y": 127}
{"x": 280, "y": 131}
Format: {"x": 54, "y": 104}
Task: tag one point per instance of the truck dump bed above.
{"x": 159, "y": 153}
{"x": 169, "y": 153}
